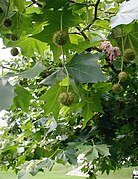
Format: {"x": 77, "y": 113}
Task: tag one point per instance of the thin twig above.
{"x": 37, "y": 3}
{"x": 95, "y": 15}
{"x": 111, "y": 66}
{"x": 81, "y": 4}
{"x": 83, "y": 34}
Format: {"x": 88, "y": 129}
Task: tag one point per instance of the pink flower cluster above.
{"x": 111, "y": 52}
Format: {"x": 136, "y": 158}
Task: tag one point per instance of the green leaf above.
{"x": 103, "y": 149}
{"x": 22, "y": 174}
{"x": 84, "y": 69}
{"x": 95, "y": 102}
{"x": 56, "y": 4}
{"x": 45, "y": 163}
{"x": 20, "y": 5}
{"x": 96, "y": 150}
{"x": 70, "y": 154}
{"x": 53, "y": 78}
{"x": 131, "y": 38}
{"x": 33, "y": 72}
{"x": 6, "y": 95}
{"x": 102, "y": 24}
{"x": 61, "y": 157}
{"x": 93, "y": 154}
{"x": 30, "y": 45}
{"x": 10, "y": 149}
{"x": 22, "y": 100}
{"x": 86, "y": 113}
{"x": 52, "y": 102}
{"x": 3, "y": 5}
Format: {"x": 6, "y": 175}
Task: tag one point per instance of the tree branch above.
{"x": 111, "y": 66}
{"x": 81, "y": 4}
{"x": 83, "y": 34}
{"x": 37, "y": 3}
{"x": 95, "y": 15}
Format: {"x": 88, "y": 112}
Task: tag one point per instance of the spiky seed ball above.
{"x": 66, "y": 98}
{"x": 14, "y": 37}
{"x": 129, "y": 55}
{"x": 14, "y": 51}
{"x": 117, "y": 88}
{"x": 7, "y": 22}
{"x": 122, "y": 76}
{"x": 60, "y": 38}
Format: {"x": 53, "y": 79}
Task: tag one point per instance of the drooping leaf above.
{"x": 103, "y": 149}
{"x": 92, "y": 154}
{"x": 51, "y": 99}
{"x": 96, "y": 150}
{"x": 6, "y": 95}
{"x": 22, "y": 100}
{"x": 61, "y": 157}
{"x": 84, "y": 69}
{"x": 128, "y": 12}
{"x": 33, "y": 72}
{"x": 87, "y": 113}
{"x": 71, "y": 156}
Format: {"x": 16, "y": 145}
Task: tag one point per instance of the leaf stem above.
{"x": 95, "y": 15}
{"x": 64, "y": 66}
{"x": 8, "y": 6}
{"x": 61, "y": 21}
{"x": 122, "y": 58}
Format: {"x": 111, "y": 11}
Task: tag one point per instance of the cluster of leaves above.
{"x": 59, "y": 92}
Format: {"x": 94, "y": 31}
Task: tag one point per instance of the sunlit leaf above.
{"x": 128, "y": 12}
{"x": 20, "y": 5}
{"x": 103, "y": 149}
{"x": 30, "y": 45}
{"x": 92, "y": 154}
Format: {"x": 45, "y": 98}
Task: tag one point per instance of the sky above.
{"x": 4, "y": 53}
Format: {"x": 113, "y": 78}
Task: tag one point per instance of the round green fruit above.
{"x": 14, "y": 51}
{"x": 7, "y": 22}
{"x": 122, "y": 76}
{"x": 66, "y": 98}
{"x": 117, "y": 88}
{"x": 14, "y": 37}
{"x": 129, "y": 55}
{"x": 60, "y": 38}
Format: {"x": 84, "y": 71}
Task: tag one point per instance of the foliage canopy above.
{"x": 75, "y": 51}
